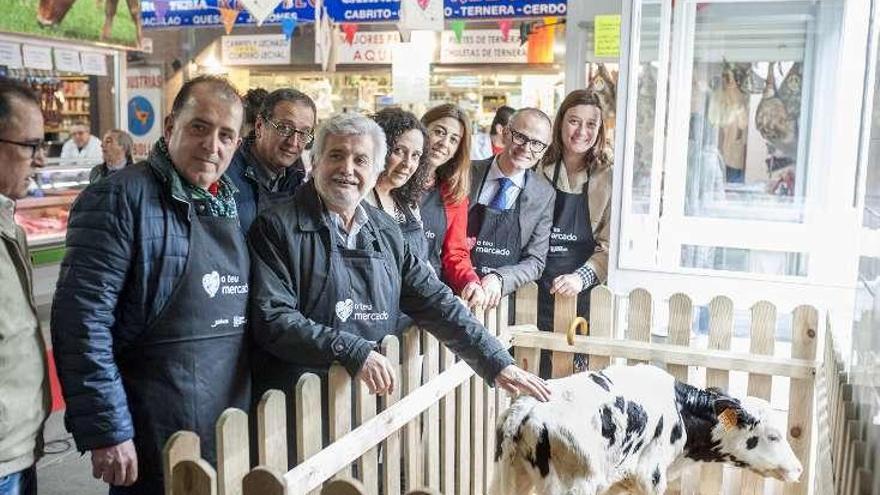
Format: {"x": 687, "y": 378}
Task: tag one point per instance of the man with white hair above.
{"x": 331, "y": 274}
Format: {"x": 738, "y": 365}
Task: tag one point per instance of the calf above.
{"x": 630, "y": 428}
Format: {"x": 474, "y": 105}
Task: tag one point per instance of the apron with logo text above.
{"x": 571, "y": 245}
{"x": 433, "y": 213}
{"x": 191, "y": 363}
{"x": 495, "y": 234}
{"x": 361, "y": 296}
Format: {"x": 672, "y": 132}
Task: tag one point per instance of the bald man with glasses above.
{"x": 511, "y": 208}
{"x": 268, "y": 168}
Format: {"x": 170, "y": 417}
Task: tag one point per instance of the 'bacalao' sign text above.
{"x": 262, "y": 49}
{"x": 480, "y": 46}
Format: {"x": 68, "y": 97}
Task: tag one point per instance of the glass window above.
{"x": 646, "y": 101}
{"x": 871, "y": 218}
{"x": 746, "y": 148}
{"x": 744, "y": 260}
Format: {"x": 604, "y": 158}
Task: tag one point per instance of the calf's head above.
{"x": 748, "y": 437}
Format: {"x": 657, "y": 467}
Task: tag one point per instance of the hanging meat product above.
{"x": 729, "y": 113}
{"x": 775, "y": 123}
{"x": 604, "y": 84}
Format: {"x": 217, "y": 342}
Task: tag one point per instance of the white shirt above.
{"x": 349, "y": 237}
{"x": 89, "y": 154}
{"x": 490, "y": 185}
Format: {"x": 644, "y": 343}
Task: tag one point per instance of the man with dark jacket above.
{"x": 24, "y": 386}
{"x": 149, "y": 313}
{"x": 511, "y": 208}
{"x": 331, "y": 274}
{"x": 267, "y": 168}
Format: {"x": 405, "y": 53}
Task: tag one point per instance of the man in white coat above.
{"x": 82, "y": 147}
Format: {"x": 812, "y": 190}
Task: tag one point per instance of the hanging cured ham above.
{"x": 776, "y": 118}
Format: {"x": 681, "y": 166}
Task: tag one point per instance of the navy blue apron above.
{"x": 571, "y": 245}
{"x": 192, "y": 362}
{"x": 412, "y": 229}
{"x": 361, "y": 296}
{"x": 496, "y": 234}
{"x": 433, "y": 213}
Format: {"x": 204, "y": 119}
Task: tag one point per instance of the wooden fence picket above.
{"x": 272, "y": 431}
{"x": 391, "y": 452}
{"x": 308, "y": 423}
{"x": 339, "y": 408}
{"x": 763, "y": 338}
{"x": 233, "y": 457}
{"x": 193, "y": 477}
{"x": 181, "y": 446}
{"x": 263, "y": 480}
{"x": 601, "y": 321}
{"x": 720, "y": 334}
{"x": 639, "y": 315}
{"x": 804, "y": 329}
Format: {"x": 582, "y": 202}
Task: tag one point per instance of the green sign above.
{"x": 606, "y": 36}
{"x": 47, "y": 256}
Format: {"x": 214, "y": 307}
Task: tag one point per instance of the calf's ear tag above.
{"x": 727, "y": 418}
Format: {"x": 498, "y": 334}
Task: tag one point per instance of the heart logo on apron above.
{"x": 344, "y": 309}
{"x": 211, "y": 282}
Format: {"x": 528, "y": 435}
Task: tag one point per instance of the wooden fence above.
{"x": 438, "y": 431}
{"x": 849, "y": 433}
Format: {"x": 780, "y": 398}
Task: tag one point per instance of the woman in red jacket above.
{"x": 444, "y": 207}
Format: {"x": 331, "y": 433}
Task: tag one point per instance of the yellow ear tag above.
{"x": 727, "y": 418}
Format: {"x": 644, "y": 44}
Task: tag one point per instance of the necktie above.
{"x": 499, "y": 202}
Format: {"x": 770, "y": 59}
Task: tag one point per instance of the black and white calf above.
{"x": 628, "y": 429}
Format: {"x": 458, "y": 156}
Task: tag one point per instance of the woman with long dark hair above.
{"x": 400, "y": 186}
{"x": 579, "y": 167}
{"x": 445, "y": 206}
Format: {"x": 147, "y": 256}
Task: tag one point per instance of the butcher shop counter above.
{"x": 43, "y": 216}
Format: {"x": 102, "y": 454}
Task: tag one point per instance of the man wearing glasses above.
{"x": 511, "y": 208}
{"x": 82, "y": 148}
{"x": 268, "y": 168}
{"x": 24, "y": 388}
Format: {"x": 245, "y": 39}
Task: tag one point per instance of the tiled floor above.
{"x": 63, "y": 470}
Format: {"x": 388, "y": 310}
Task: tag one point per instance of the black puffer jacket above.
{"x": 290, "y": 263}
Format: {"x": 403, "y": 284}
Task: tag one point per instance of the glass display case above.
{"x": 43, "y": 213}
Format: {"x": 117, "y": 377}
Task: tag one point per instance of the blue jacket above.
{"x": 253, "y": 197}
{"x": 127, "y": 245}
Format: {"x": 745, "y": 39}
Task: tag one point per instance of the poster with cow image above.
{"x": 144, "y": 107}
{"x": 112, "y": 22}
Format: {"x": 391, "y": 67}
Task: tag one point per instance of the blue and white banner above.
{"x": 503, "y": 9}
{"x": 385, "y": 10}
{"x": 205, "y": 13}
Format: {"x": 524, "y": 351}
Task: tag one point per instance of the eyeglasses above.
{"x": 521, "y": 139}
{"x": 35, "y": 146}
{"x": 285, "y": 130}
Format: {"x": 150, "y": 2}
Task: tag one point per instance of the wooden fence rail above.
{"x": 438, "y": 430}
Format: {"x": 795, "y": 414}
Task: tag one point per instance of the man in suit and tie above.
{"x": 511, "y": 208}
